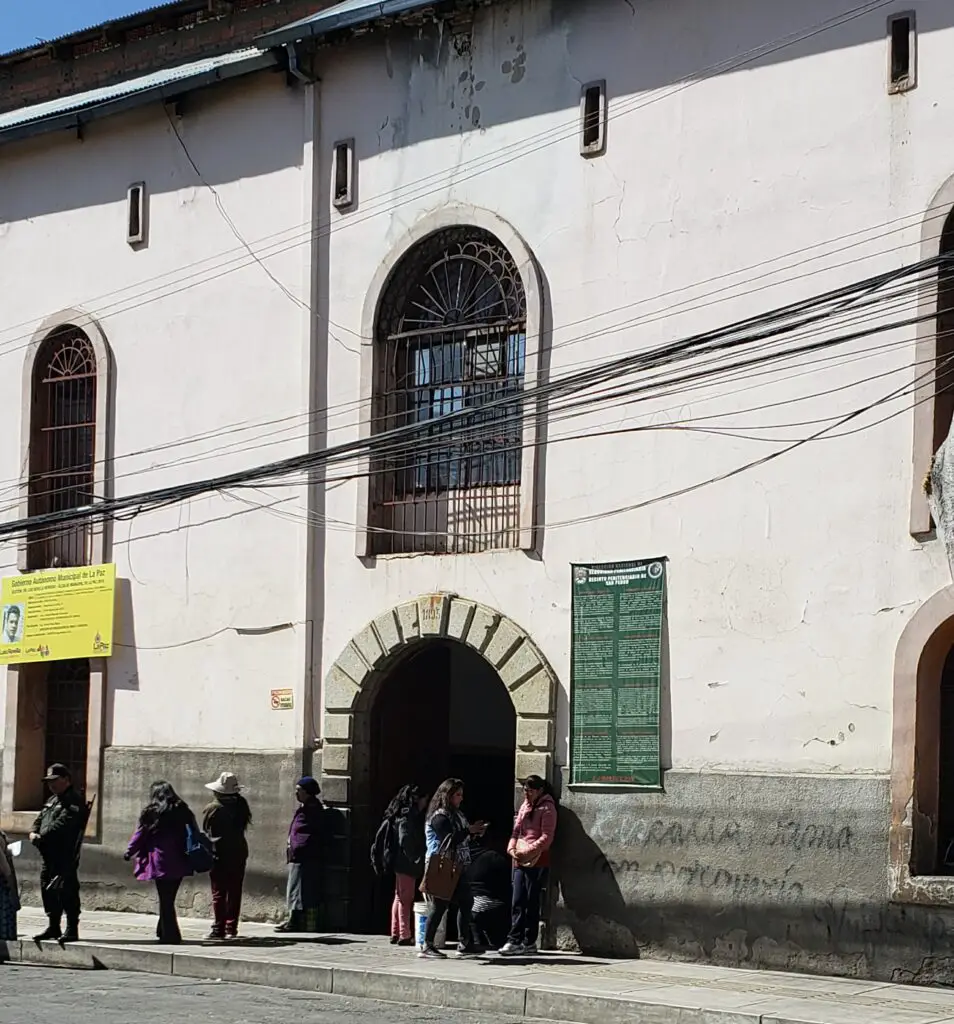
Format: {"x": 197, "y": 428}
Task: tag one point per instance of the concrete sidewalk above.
{"x": 555, "y": 986}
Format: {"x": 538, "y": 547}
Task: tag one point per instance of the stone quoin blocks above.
{"x": 508, "y": 649}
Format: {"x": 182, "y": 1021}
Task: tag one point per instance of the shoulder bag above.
{"x": 442, "y": 873}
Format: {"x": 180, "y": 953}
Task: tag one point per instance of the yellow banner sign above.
{"x": 57, "y": 614}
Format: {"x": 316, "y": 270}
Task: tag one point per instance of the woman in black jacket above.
{"x": 489, "y": 878}
{"x": 405, "y": 814}
{"x": 225, "y": 822}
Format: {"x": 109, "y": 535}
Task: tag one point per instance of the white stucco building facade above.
{"x": 752, "y": 158}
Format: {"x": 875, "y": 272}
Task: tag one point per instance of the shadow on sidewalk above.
{"x": 538, "y": 960}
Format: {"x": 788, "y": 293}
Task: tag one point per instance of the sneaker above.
{"x": 432, "y": 953}
{"x": 463, "y": 950}
{"x": 511, "y": 949}
{"x": 530, "y": 950}
{"x": 215, "y": 936}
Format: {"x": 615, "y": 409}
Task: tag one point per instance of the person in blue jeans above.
{"x": 529, "y": 847}
{"x": 446, "y": 824}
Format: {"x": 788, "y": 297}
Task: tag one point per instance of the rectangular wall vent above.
{"x": 902, "y": 52}
{"x": 136, "y": 214}
{"x": 593, "y": 119}
{"x": 343, "y": 174}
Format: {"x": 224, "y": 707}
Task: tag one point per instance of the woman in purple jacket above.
{"x": 304, "y": 859}
{"x": 158, "y": 847}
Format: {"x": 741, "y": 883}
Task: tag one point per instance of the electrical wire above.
{"x": 798, "y": 314}
{"x": 330, "y": 523}
{"x": 233, "y": 446}
{"x": 853, "y": 311}
{"x": 826, "y": 432}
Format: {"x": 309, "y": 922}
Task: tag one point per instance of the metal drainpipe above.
{"x": 293, "y": 66}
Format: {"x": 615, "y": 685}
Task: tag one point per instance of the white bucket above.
{"x": 420, "y": 923}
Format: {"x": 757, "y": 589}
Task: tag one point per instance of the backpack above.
{"x": 200, "y": 852}
{"x": 384, "y": 847}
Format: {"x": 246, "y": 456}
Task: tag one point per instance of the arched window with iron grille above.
{"x": 450, "y": 338}
{"x": 62, "y": 473}
{"x": 62, "y": 446}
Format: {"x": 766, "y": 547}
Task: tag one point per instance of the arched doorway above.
{"x": 441, "y": 711}
{"x": 922, "y": 759}
{"x": 446, "y": 667}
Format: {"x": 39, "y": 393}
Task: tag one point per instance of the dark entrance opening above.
{"x": 945, "y": 794}
{"x": 441, "y": 711}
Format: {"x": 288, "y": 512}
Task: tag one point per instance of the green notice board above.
{"x": 616, "y": 655}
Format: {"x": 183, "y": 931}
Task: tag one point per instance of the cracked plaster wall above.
{"x": 789, "y": 584}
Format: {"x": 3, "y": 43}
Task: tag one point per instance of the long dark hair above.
{"x": 405, "y": 798}
{"x": 164, "y": 805}
{"x": 441, "y": 800}
{"x": 539, "y": 783}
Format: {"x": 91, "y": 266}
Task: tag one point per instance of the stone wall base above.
{"x": 107, "y": 881}
{"x": 771, "y": 871}
{"x": 779, "y": 872}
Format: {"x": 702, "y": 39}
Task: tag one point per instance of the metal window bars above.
{"x": 67, "y": 716}
{"x": 457, "y": 341}
{"x": 63, "y": 447}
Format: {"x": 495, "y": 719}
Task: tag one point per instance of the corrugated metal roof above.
{"x": 350, "y": 14}
{"x": 75, "y": 109}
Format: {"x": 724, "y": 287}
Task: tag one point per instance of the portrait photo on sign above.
{"x": 12, "y": 623}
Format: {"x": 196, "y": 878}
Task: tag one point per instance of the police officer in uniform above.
{"x": 56, "y": 835}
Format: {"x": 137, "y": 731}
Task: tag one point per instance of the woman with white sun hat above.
{"x": 225, "y": 822}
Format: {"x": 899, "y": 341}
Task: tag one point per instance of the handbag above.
{"x": 200, "y": 853}
{"x": 521, "y": 859}
{"x": 441, "y": 874}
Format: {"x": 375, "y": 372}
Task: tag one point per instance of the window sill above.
{"x": 389, "y": 556}
{"x": 924, "y": 890}
{"x": 613, "y": 787}
{"x": 19, "y": 822}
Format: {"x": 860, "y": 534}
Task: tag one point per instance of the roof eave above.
{"x": 164, "y": 92}
{"x": 327, "y": 25}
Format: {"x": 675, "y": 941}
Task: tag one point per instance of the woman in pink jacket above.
{"x": 529, "y": 848}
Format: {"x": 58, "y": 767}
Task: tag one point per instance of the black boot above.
{"x": 72, "y": 931}
{"x": 51, "y": 934}
{"x": 291, "y": 924}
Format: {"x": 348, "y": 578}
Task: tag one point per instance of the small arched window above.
{"x": 450, "y": 338}
{"x": 62, "y": 446}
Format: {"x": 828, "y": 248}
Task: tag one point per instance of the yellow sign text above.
{"x": 57, "y": 614}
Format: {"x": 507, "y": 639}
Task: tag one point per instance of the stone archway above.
{"x": 924, "y": 644}
{"x": 355, "y": 679}
{"x": 351, "y": 680}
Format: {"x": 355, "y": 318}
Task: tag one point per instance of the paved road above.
{"x": 50, "y": 995}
